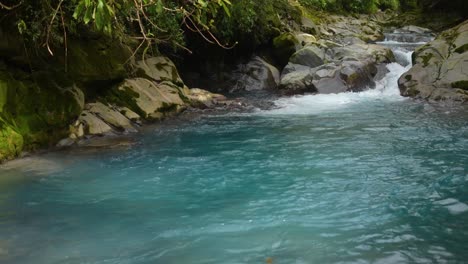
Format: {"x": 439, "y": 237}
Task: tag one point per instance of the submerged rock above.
{"x": 440, "y": 70}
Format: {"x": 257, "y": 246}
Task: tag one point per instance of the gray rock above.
{"x": 93, "y": 124}
{"x": 298, "y": 82}
{"x": 257, "y": 74}
{"x": 111, "y": 116}
{"x": 291, "y": 67}
{"x": 308, "y": 56}
{"x": 148, "y": 99}
{"x": 440, "y": 70}
{"x": 158, "y": 69}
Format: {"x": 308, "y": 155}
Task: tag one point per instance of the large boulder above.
{"x": 111, "y": 116}
{"x": 349, "y": 69}
{"x": 147, "y": 98}
{"x": 286, "y": 44}
{"x": 257, "y": 74}
{"x": 95, "y": 59}
{"x": 158, "y": 69}
{"x": 440, "y": 70}
{"x": 308, "y": 56}
{"x": 34, "y": 112}
{"x": 298, "y": 82}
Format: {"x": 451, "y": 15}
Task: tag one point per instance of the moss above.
{"x": 125, "y": 97}
{"x": 462, "y": 49}
{"x": 167, "y": 108}
{"x": 408, "y": 77}
{"x": 96, "y": 59}
{"x": 426, "y": 58}
{"x": 461, "y": 84}
{"x": 284, "y": 46}
{"x": 37, "y": 112}
{"x": 11, "y": 142}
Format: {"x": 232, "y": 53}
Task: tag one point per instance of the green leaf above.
{"x": 159, "y": 7}
{"x": 80, "y": 8}
{"x": 88, "y": 15}
{"x": 226, "y": 9}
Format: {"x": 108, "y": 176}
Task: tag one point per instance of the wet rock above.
{"x": 376, "y": 53}
{"x": 66, "y": 142}
{"x": 440, "y": 70}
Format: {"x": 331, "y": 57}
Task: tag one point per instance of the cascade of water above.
{"x": 402, "y": 45}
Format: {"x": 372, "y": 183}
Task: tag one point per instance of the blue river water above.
{"x": 365, "y": 177}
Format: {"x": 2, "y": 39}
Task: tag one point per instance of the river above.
{"x": 368, "y": 177}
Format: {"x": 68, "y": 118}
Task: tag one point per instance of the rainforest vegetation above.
{"x": 166, "y": 23}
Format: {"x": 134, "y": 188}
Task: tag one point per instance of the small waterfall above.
{"x": 402, "y": 44}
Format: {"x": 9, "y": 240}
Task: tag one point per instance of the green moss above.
{"x": 167, "y": 108}
{"x": 92, "y": 60}
{"x": 37, "y": 112}
{"x": 125, "y": 97}
{"x": 284, "y": 46}
{"x": 462, "y": 49}
{"x": 11, "y": 142}
{"x": 426, "y": 58}
{"x": 408, "y": 77}
{"x": 461, "y": 84}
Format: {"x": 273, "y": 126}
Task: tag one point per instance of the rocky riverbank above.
{"x": 104, "y": 91}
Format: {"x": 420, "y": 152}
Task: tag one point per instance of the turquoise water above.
{"x": 368, "y": 177}
{"x": 381, "y": 181}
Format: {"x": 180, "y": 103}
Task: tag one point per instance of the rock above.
{"x": 202, "y": 98}
{"x": 440, "y": 70}
{"x": 305, "y": 39}
{"x": 93, "y": 59}
{"x": 93, "y": 124}
{"x": 66, "y": 142}
{"x": 11, "y": 142}
{"x": 298, "y": 82}
{"x": 134, "y": 117}
{"x": 308, "y": 56}
{"x": 358, "y": 75}
{"x": 291, "y": 67}
{"x": 257, "y": 74}
{"x": 34, "y": 111}
{"x": 158, "y": 69}
{"x": 80, "y": 131}
{"x": 307, "y": 25}
{"x": 376, "y": 53}
{"x": 110, "y": 116}
{"x": 414, "y": 29}
{"x": 283, "y": 47}
{"x": 148, "y": 99}
{"x": 336, "y": 77}
{"x": 343, "y": 29}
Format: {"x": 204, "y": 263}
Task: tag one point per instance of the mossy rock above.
{"x": 150, "y": 100}
{"x": 37, "y": 111}
{"x": 96, "y": 59}
{"x": 11, "y": 142}
{"x": 283, "y": 47}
